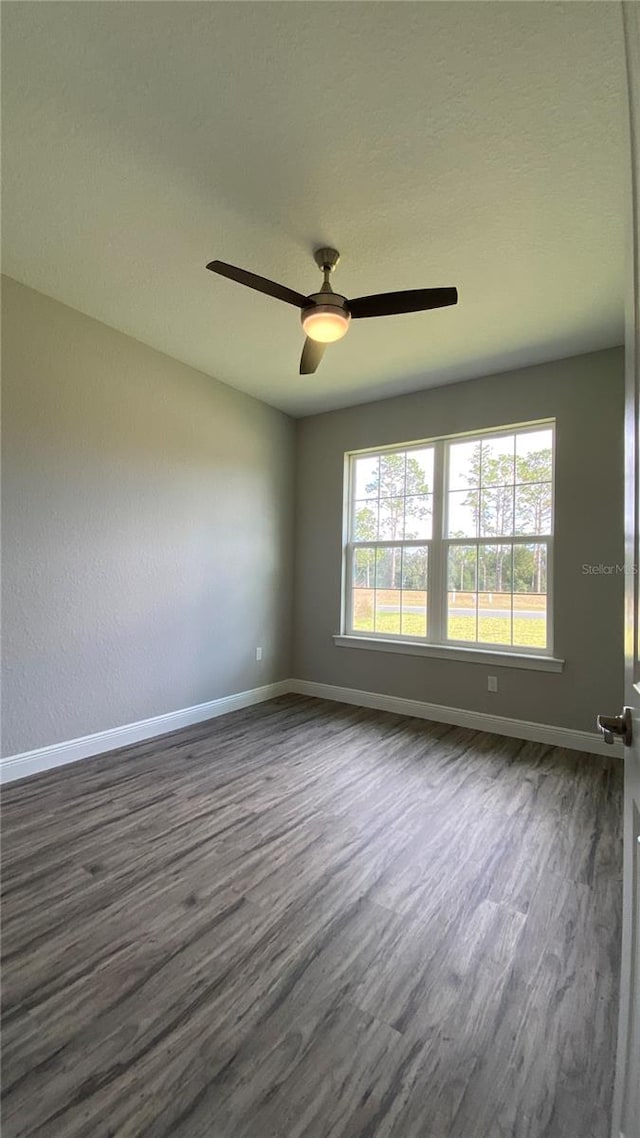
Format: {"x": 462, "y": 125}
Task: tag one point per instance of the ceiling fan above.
{"x": 326, "y": 314}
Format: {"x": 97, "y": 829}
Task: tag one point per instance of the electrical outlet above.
{"x": 492, "y": 683}
{"x": 258, "y": 654}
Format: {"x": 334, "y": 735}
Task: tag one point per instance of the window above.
{"x": 449, "y": 542}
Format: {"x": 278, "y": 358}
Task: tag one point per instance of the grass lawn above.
{"x": 528, "y": 632}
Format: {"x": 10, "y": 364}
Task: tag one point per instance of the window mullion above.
{"x": 346, "y": 615}
{"x": 437, "y": 552}
{"x": 550, "y": 598}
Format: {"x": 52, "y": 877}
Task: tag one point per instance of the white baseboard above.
{"x": 477, "y": 720}
{"x": 57, "y": 755}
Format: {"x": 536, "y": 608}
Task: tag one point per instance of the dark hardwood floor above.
{"x": 309, "y": 919}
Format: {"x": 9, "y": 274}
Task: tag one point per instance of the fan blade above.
{"x": 393, "y": 303}
{"x": 260, "y": 284}
{"x": 312, "y": 353}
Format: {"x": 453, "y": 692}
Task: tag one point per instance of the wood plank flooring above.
{"x": 310, "y": 919}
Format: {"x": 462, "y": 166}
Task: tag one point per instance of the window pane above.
{"x": 533, "y": 456}
{"x": 362, "y": 616}
{"x": 391, "y": 525}
{"x": 462, "y": 567}
{"x": 464, "y": 508}
{"x": 496, "y": 511}
{"x": 483, "y": 607}
{"x": 530, "y": 595}
{"x": 364, "y": 567}
{"x": 498, "y": 461}
{"x": 494, "y": 568}
{"x": 388, "y": 589}
{"x": 533, "y": 508}
{"x": 365, "y": 477}
{"x": 530, "y": 623}
{"x": 392, "y": 475}
{"x": 414, "y": 591}
{"x": 388, "y": 611}
{"x": 389, "y": 567}
{"x": 494, "y": 618}
{"x": 461, "y": 616}
{"x": 419, "y": 473}
{"x": 461, "y": 595}
{"x": 418, "y": 512}
{"x": 464, "y": 464}
{"x": 365, "y": 521}
{"x": 530, "y": 567}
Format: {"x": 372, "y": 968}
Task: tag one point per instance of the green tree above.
{"x": 414, "y": 568}
{"x": 400, "y": 500}
{"x": 462, "y": 568}
{"x": 401, "y": 486}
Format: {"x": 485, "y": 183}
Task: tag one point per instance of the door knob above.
{"x": 616, "y": 727}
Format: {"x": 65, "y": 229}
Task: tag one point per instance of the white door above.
{"x": 626, "y": 1118}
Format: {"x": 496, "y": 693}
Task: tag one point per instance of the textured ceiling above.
{"x": 471, "y": 144}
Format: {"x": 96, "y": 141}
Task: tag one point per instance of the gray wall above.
{"x": 585, "y": 395}
{"x": 147, "y": 528}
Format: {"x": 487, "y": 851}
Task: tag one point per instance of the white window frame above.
{"x": 436, "y": 642}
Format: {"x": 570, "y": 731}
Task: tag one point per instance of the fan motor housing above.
{"x": 330, "y": 305}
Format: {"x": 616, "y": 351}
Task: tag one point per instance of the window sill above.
{"x": 449, "y": 652}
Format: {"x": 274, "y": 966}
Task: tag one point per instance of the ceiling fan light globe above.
{"x": 326, "y": 323}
